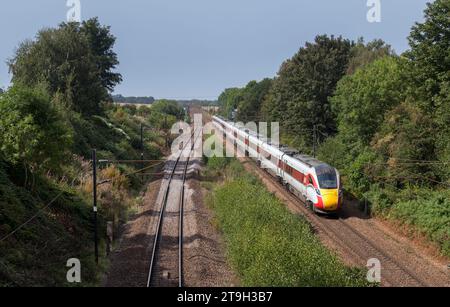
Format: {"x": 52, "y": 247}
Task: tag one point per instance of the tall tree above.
{"x": 251, "y": 99}
{"x": 102, "y": 43}
{"x": 229, "y": 101}
{"x": 430, "y": 47}
{"x": 362, "y": 99}
{"x": 363, "y": 54}
{"x": 299, "y": 95}
{"x": 406, "y": 134}
{"x": 75, "y": 62}
{"x": 430, "y": 62}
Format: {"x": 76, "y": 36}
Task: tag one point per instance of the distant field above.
{"x": 133, "y": 104}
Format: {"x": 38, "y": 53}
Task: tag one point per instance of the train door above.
{"x": 247, "y": 145}
{"x": 281, "y": 168}
{"x": 310, "y": 190}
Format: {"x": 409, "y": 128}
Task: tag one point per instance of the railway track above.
{"x": 359, "y": 247}
{"x": 166, "y": 263}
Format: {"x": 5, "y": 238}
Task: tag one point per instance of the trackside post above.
{"x": 94, "y": 194}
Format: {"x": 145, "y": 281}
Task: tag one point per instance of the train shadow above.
{"x": 354, "y": 209}
{"x": 145, "y": 214}
{"x": 351, "y": 209}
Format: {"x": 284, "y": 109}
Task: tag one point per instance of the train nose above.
{"x": 330, "y": 199}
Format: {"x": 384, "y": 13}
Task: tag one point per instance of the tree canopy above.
{"x": 229, "y": 101}
{"x": 430, "y": 44}
{"x": 251, "y": 98}
{"x": 299, "y": 96}
{"x": 363, "y": 54}
{"x": 75, "y": 61}
{"x": 361, "y": 99}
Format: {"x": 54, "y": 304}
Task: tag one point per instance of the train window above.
{"x": 310, "y": 180}
{"x": 289, "y": 169}
{"x": 327, "y": 177}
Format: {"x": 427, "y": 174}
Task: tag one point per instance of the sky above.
{"x": 187, "y": 49}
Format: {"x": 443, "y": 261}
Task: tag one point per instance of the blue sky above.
{"x": 195, "y": 48}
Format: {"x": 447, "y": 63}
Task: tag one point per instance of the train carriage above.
{"x": 312, "y": 181}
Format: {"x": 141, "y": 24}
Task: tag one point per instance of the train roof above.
{"x": 313, "y": 162}
{"x": 294, "y": 153}
{"x": 288, "y": 150}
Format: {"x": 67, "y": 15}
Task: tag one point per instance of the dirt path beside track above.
{"x": 205, "y": 260}
{"x": 131, "y": 259}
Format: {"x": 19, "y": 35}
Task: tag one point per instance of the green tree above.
{"x": 442, "y": 135}
{"x": 363, "y": 54}
{"x": 251, "y": 99}
{"x": 32, "y": 130}
{"x": 102, "y": 43}
{"x": 430, "y": 74}
{"x": 429, "y": 54}
{"x": 73, "y": 61}
{"x": 229, "y": 101}
{"x": 405, "y": 137}
{"x": 362, "y": 99}
{"x": 299, "y": 95}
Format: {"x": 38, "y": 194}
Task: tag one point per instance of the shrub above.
{"x": 31, "y": 129}
{"x": 429, "y": 213}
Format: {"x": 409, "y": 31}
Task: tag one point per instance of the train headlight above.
{"x": 318, "y": 192}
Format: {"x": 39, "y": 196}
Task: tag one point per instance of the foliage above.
{"x": 269, "y": 246}
{"x": 430, "y": 214}
{"x": 50, "y": 120}
{"x": 229, "y": 101}
{"x": 75, "y": 61}
{"x": 32, "y": 130}
{"x": 37, "y": 254}
{"x": 299, "y": 95}
{"x": 363, "y": 54}
{"x": 169, "y": 107}
{"x": 101, "y": 43}
{"x": 361, "y": 99}
{"x": 116, "y": 135}
{"x": 442, "y": 136}
{"x": 421, "y": 210}
{"x": 383, "y": 120}
{"x": 406, "y": 136}
{"x": 250, "y": 100}
{"x": 429, "y": 54}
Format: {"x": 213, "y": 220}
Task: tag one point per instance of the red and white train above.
{"x": 315, "y": 183}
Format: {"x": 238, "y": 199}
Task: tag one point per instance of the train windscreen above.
{"x": 327, "y": 177}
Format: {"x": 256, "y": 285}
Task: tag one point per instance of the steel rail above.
{"x": 156, "y": 240}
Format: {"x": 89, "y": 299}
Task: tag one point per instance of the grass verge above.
{"x": 266, "y": 244}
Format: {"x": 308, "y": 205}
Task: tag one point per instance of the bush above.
{"x": 429, "y": 213}
{"x": 31, "y": 129}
